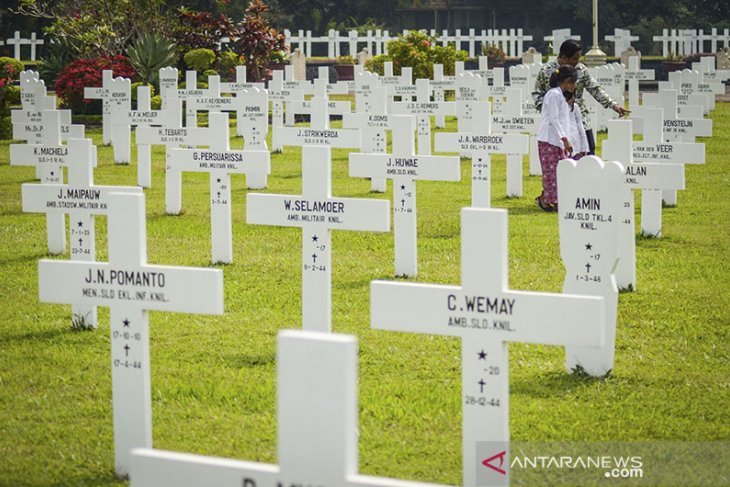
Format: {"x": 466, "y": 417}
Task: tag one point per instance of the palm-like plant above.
{"x": 150, "y": 52}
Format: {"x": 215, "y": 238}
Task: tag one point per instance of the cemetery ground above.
{"x": 213, "y": 377}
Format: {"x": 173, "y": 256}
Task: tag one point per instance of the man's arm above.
{"x": 592, "y": 87}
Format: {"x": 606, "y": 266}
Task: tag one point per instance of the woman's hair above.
{"x": 569, "y": 48}
{"x": 561, "y": 74}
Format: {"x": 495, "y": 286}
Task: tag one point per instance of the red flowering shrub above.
{"x": 8, "y": 72}
{"x": 201, "y": 30}
{"x": 256, "y": 40}
{"x": 82, "y": 73}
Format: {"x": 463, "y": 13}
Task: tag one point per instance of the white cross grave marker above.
{"x": 486, "y": 314}
{"x": 81, "y": 200}
{"x": 469, "y": 89}
{"x": 34, "y": 41}
{"x": 278, "y": 95}
{"x": 48, "y": 156}
{"x": 440, "y": 85}
{"x": 651, "y": 178}
{"x": 404, "y": 167}
{"x": 319, "y": 133}
{"x": 253, "y": 124}
{"x": 591, "y": 200}
{"x": 372, "y": 122}
{"x": 652, "y": 164}
{"x": 423, "y": 108}
{"x": 634, "y": 73}
{"x": 220, "y": 161}
{"x": 32, "y": 89}
{"x": 131, "y": 288}
{"x": 143, "y": 116}
{"x": 317, "y": 428}
{"x": 317, "y": 212}
{"x": 480, "y": 143}
{"x": 677, "y": 129}
{"x": 116, "y": 95}
{"x": 17, "y": 41}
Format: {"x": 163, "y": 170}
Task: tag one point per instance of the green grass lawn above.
{"x": 213, "y": 377}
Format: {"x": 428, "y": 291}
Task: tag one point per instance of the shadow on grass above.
{"x": 25, "y": 258}
{"x": 107, "y": 479}
{"x": 41, "y": 335}
{"x": 553, "y": 384}
{"x": 249, "y": 361}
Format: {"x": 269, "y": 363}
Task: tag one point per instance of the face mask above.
{"x": 567, "y": 94}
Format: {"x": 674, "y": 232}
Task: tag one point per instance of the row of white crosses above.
{"x": 317, "y": 403}
{"x": 115, "y": 95}
{"x": 131, "y": 287}
{"x": 47, "y": 153}
{"x": 80, "y": 199}
{"x": 17, "y": 41}
{"x": 679, "y": 129}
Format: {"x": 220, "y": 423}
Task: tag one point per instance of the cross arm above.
{"x": 494, "y": 143}
{"x": 431, "y": 168}
{"x": 231, "y": 161}
{"x": 335, "y": 213}
{"x": 552, "y": 319}
{"x": 153, "y": 468}
{"x": 150, "y": 287}
{"x": 46, "y": 198}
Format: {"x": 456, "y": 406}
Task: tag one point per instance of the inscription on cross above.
{"x": 485, "y": 314}
{"x": 131, "y": 288}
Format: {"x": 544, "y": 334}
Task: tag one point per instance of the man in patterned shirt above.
{"x": 570, "y": 53}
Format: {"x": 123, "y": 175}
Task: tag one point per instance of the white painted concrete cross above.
{"x": 635, "y": 74}
{"x": 220, "y": 161}
{"x": 558, "y": 37}
{"x": 143, "y": 116}
{"x": 590, "y": 198}
{"x": 372, "y": 122}
{"x": 32, "y": 89}
{"x": 131, "y": 288}
{"x": 34, "y": 41}
{"x": 486, "y": 314}
{"x": 651, "y": 174}
{"x": 319, "y": 134}
{"x": 241, "y": 84}
{"x": 48, "y": 155}
{"x": 480, "y": 143}
{"x": 317, "y": 427}
{"x": 278, "y": 95}
{"x": 423, "y": 109}
{"x": 524, "y": 76}
{"x": 168, "y": 84}
{"x": 28, "y": 124}
{"x": 173, "y": 138}
{"x": 16, "y": 41}
{"x": 440, "y": 85}
{"x": 678, "y": 129}
{"x": 81, "y": 200}
{"x": 317, "y": 212}
{"x": 252, "y": 123}
{"x": 404, "y": 167}
{"x": 622, "y": 40}
{"x": 670, "y": 156}
{"x": 469, "y": 89}
{"x": 115, "y": 95}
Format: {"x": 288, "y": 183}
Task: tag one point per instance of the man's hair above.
{"x": 569, "y": 48}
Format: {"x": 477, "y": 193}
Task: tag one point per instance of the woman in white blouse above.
{"x": 553, "y": 138}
